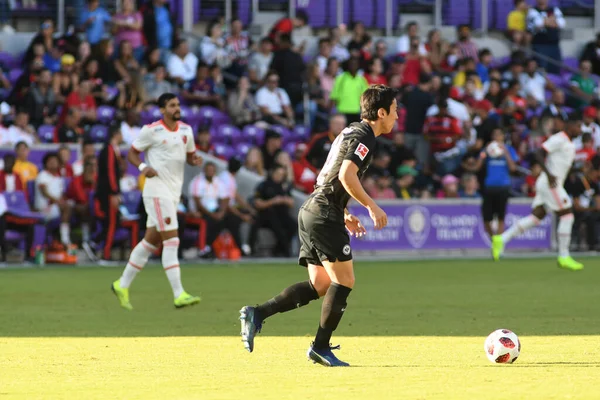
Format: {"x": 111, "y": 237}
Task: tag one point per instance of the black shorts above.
{"x": 322, "y": 239}
{"x": 494, "y": 203}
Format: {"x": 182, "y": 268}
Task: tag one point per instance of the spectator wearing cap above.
{"x": 290, "y": 67}
{"x": 65, "y": 81}
{"x": 405, "y": 179}
{"x": 271, "y": 148}
{"x": 591, "y": 52}
{"x": 320, "y": 144}
{"x": 545, "y": 23}
{"x": 93, "y": 20}
{"x": 40, "y": 101}
{"x": 415, "y": 64}
{"x": 583, "y": 85}
{"x": 347, "y": 90}
{"x": 26, "y": 170}
{"x": 443, "y": 132}
{"x": 417, "y": 101}
{"x": 589, "y": 125}
{"x": 128, "y": 24}
{"x": 466, "y": 45}
{"x": 274, "y": 102}
{"x": 296, "y": 27}
{"x": 534, "y": 85}
{"x": 182, "y": 64}
{"x": 449, "y": 188}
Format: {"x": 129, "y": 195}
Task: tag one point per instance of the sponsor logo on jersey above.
{"x": 361, "y": 151}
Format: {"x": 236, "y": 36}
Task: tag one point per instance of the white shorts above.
{"x": 162, "y": 214}
{"x": 555, "y": 199}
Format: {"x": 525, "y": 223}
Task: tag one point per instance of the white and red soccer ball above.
{"x": 502, "y": 346}
{"x": 494, "y": 150}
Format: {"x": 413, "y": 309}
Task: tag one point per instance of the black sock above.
{"x": 295, "y": 296}
{"x": 334, "y": 305}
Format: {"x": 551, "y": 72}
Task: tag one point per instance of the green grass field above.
{"x": 413, "y": 330}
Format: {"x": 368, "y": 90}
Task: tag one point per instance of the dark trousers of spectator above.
{"x": 283, "y": 226}
{"x": 232, "y": 223}
{"x": 295, "y": 93}
{"x": 269, "y": 119}
{"x": 350, "y": 118}
{"x": 590, "y": 219}
{"x": 551, "y": 51}
{"x": 417, "y": 143}
{"x": 13, "y": 223}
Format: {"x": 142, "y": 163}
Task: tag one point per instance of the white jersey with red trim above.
{"x": 166, "y": 152}
{"x": 561, "y": 154}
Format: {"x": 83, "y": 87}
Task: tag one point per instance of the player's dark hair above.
{"x": 586, "y": 137}
{"x": 303, "y": 16}
{"x": 165, "y": 98}
{"x": 48, "y": 156}
{"x": 374, "y": 98}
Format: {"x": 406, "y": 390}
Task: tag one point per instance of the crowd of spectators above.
{"x": 454, "y": 99}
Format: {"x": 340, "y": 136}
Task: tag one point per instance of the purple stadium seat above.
{"x": 112, "y": 92}
{"x": 7, "y": 60}
{"x": 301, "y": 133}
{"x": 571, "y": 62}
{"x": 31, "y": 193}
{"x": 381, "y": 12}
{"x": 318, "y": 11}
{"x": 150, "y": 115}
{"x": 225, "y": 134}
{"x": 456, "y": 12}
{"x": 365, "y": 11}
{"x": 46, "y": 133}
{"x": 212, "y": 116}
{"x": 14, "y": 74}
{"x": 476, "y": 10}
{"x": 131, "y": 201}
{"x": 242, "y": 149}
{"x": 16, "y": 204}
{"x": 105, "y": 114}
{"x": 253, "y": 134}
{"x": 290, "y": 148}
{"x": 285, "y": 133}
{"x": 224, "y": 151}
{"x": 245, "y": 11}
{"x": 99, "y": 133}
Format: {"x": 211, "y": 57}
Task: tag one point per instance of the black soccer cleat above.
{"x": 250, "y": 326}
{"x": 325, "y": 357}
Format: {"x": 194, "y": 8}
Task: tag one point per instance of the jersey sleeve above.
{"x": 190, "y": 146}
{"x": 359, "y": 148}
{"x": 143, "y": 141}
{"x": 553, "y": 143}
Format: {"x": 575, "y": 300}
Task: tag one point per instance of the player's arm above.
{"x": 46, "y": 194}
{"x": 348, "y": 176}
{"x": 141, "y": 143}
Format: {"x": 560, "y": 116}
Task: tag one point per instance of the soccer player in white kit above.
{"x": 556, "y": 158}
{"x": 168, "y": 145}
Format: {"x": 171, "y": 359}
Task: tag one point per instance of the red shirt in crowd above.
{"x": 376, "y": 80}
{"x": 443, "y": 131}
{"x": 66, "y": 171}
{"x": 304, "y": 176}
{"x": 79, "y": 190}
{"x": 75, "y": 101}
{"x": 10, "y": 183}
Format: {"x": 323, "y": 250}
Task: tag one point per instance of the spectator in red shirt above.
{"x": 514, "y": 105}
{"x": 304, "y": 176}
{"x": 375, "y": 75}
{"x": 79, "y": 192}
{"x": 83, "y": 101}
{"x": 286, "y": 26}
{"x": 443, "y": 132}
{"x": 9, "y": 181}
{"x": 203, "y": 142}
{"x": 587, "y": 152}
{"x": 415, "y": 64}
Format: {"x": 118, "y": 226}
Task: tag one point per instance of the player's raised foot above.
{"x": 185, "y": 300}
{"x": 325, "y": 357}
{"x": 497, "y": 247}
{"x": 569, "y": 263}
{"x": 250, "y": 326}
{"x": 122, "y": 294}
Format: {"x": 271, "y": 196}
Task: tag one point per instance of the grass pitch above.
{"x": 413, "y": 330}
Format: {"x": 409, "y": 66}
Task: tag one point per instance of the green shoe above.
{"x": 122, "y": 294}
{"x": 569, "y": 263}
{"x": 497, "y": 247}
{"x": 185, "y": 300}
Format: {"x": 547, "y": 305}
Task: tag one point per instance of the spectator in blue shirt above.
{"x": 500, "y": 161}
{"x": 93, "y": 21}
{"x": 483, "y": 67}
{"x": 159, "y": 27}
{"x": 470, "y": 187}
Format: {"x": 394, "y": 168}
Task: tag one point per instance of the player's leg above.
{"x": 65, "y": 222}
{"x": 332, "y": 311}
{"x": 497, "y": 208}
{"x": 167, "y": 225}
{"x": 563, "y": 233}
{"x": 524, "y": 224}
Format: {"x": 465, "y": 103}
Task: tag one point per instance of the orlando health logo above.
{"x": 416, "y": 226}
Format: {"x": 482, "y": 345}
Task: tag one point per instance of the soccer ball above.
{"x": 494, "y": 150}
{"x": 502, "y": 346}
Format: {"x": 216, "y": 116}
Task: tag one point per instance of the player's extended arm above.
{"x": 193, "y": 159}
{"x": 349, "y": 178}
{"x": 133, "y": 156}
{"x": 541, "y": 159}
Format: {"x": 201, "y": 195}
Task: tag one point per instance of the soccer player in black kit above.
{"x": 324, "y": 224}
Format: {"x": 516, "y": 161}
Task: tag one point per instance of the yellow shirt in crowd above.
{"x": 516, "y": 21}
{"x": 26, "y": 170}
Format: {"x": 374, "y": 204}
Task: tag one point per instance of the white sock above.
{"x": 85, "y": 232}
{"x": 137, "y": 260}
{"x": 521, "y": 226}
{"x": 65, "y": 233}
{"x": 563, "y": 231}
{"x": 170, "y": 264}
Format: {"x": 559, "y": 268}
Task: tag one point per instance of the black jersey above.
{"x": 355, "y": 143}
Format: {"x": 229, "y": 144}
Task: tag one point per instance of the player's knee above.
{"x": 321, "y": 285}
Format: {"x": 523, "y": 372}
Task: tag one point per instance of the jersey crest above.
{"x": 184, "y": 139}
{"x": 361, "y": 151}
